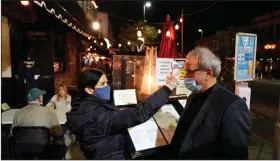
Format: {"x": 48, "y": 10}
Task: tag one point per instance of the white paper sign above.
{"x": 163, "y": 67}
{"x": 125, "y": 97}
{"x": 182, "y": 90}
{"x": 244, "y": 92}
{"x": 145, "y": 136}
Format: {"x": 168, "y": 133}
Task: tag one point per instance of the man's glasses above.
{"x": 192, "y": 71}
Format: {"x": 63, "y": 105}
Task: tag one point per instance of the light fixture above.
{"x": 139, "y": 33}
{"x": 269, "y": 46}
{"x": 96, "y": 25}
{"x": 25, "y": 3}
{"x": 159, "y": 31}
{"x": 94, "y": 41}
{"x": 177, "y": 43}
{"x": 199, "y": 30}
{"x": 120, "y": 45}
{"x": 89, "y": 38}
{"x": 148, "y": 4}
{"x": 128, "y": 43}
{"x": 101, "y": 43}
{"x": 91, "y": 47}
{"x": 168, "y": 33}
{"x": 102, "y": 58}
{"x": 96, "y": 58}
{"x": 181, "y": 19}
{"x": 176, "y": 26}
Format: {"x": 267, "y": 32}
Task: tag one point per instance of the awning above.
{"x": 75, "y": 19}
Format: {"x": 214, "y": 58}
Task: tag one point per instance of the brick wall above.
{"x": 69, "y": 76}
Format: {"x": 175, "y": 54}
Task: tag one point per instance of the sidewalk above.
{"x": 259, "y": 149}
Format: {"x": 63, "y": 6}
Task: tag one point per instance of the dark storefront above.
{"x": 37, "y": 34}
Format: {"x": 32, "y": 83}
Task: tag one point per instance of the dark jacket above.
{"x": 220, "y": 130}
{"x": 99, "y": 126}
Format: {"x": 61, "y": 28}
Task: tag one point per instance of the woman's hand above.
{"x": 52, "y": 107}
{"x": 173, "y": 80}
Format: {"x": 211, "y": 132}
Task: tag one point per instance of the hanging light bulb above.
{"x": 168, "y": 33}
{"x": 139, "y": 33}
{"x": 176, "y": 26}
{"x": 101, "y": 43}
{"x": 96, "y": 25}
{"x": 25, "y": 3}
{"x": 181, "y": 19}
{"x": 159, "y": 31}
{"x": 94, "y": 41}
{"x": 120, "y": 45}
{"x": 128, "y": 43}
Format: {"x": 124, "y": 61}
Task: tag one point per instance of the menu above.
{"x": 146, "y": 136}
{"x": 167, "y": 118}
{"x": 125, "y": 97}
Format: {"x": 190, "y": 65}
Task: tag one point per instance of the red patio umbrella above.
{"x": 168, "y": 48}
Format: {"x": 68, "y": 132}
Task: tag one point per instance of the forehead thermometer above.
{"x": 175, "y": 67}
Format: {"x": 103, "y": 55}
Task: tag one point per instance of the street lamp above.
{"x": 201, "y": 33}
{"x": 148, "y": 5}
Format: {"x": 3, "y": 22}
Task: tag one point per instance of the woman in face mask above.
{"x": 99, "y": 125}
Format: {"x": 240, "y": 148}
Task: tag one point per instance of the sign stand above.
{"x": 243, "y": 91}
{"x": 245, "y": 62}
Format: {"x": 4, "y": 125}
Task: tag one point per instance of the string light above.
{"x": 96, "y": 25}
{"x": 181, "y": 19}
{"x": 159, "y": 31}
{"x": 25, "y": 3}
{"x": 168, "y": 33}
{"x": 176, "y": 26}
{"x": 120, "y": 45}
{"x": 128, "y": 43}
{"x": 139, "y": 33}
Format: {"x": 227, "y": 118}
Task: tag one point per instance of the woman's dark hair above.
{"x": 88, "y": 78}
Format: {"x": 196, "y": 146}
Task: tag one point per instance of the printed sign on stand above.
{"x": 163, "y": 67}
{"x": 245, "y": 57}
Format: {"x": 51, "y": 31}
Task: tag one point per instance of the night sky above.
{"x": 223, "y": 14}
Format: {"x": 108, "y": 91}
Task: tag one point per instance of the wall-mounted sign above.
{"x": 269, "y": 46}
{"x": 163, "y": 67}
{"x": 245, "y": 57}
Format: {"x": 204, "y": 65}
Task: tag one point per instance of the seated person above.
{"x": 61, "y": 101}
{"x": 36, "y": 115}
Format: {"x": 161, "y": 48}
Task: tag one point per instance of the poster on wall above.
{"x": 245, "y": 57}
{"x": 5, "y": 50}
{"x": 163, "y": 67}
